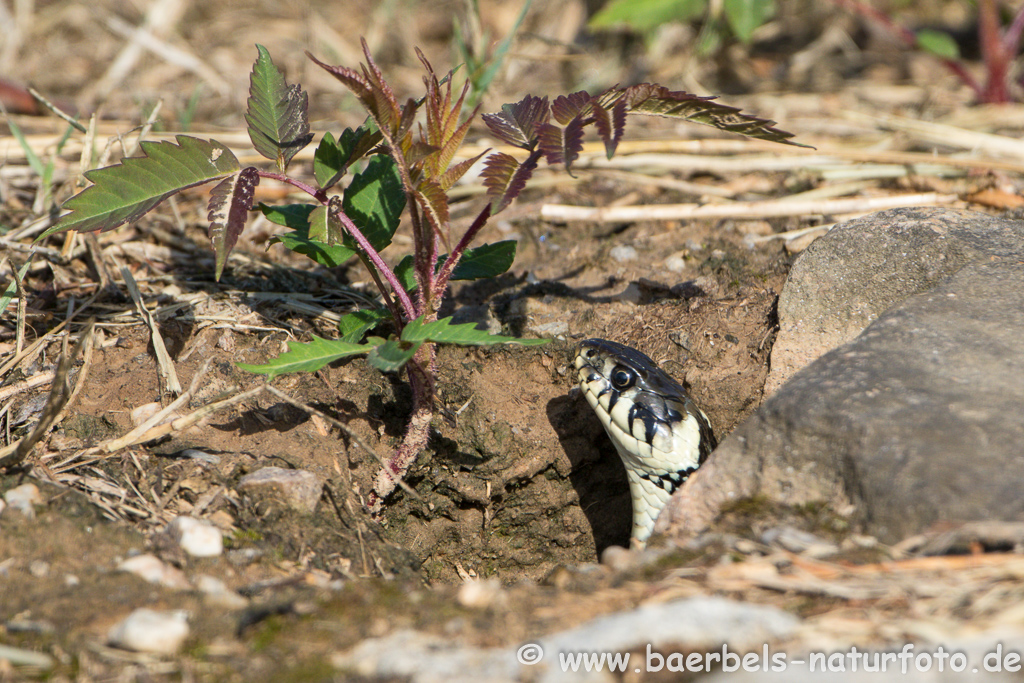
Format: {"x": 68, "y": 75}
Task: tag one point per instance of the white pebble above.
{"x": 23, "y": 498}
{"x": 196, "y": 537}
{"x": 146, "y": 630}
{"x": 217, "y": 593}
{"x": 150, "y": 568}
{"x": 623, "y": 253}
{"x": 482, "y": 593}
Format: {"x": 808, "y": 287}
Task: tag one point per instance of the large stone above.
{"x": 863, "y": 267}
{"x": 916, "y": 421}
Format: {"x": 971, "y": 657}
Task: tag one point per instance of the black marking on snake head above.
{"x": 640, "y": 411}
{"x": 670, "y": 481}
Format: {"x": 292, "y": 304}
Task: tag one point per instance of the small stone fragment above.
{"x": 481, "y": 593}
{"x": 146, "y": 630}
{"x": 196, "y": 537}
{"x": 23, "y": 498}
{"x": 150, "y": 568}
{"x": 216, "y": 592}
{"x": 797, "y": 541}
{"x": 39, "y": 568}
{"x": 623, "y": 253}
{"x": 297, "y": 489}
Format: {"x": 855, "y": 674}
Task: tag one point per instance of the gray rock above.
{"x": 700, "y": 623}
{"x": 916, "y": 421}
{"x": 847, "y": 279}
{"x": 297, "y": 489}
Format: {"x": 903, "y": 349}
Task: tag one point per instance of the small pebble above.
{"x": 618, "y": 558}
{"x": 150, "y": 568}
{"x": 297, "y": 489}
{"x": 146, "y": 630}
{"x": 675, "y": 264}
{"x": 39, "y": 568}
{"x": 623, "y": 253}
{"x": 216, "y": 592}
{"x": 196, "y": 537}
{"x": 481, "y": 593}
{"x": 23, "y": 498}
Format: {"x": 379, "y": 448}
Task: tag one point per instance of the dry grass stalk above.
{"x": 765, "y": 209}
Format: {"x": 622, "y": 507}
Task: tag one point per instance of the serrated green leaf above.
{"x": 324, "y": 226}
{"x": 297, "y": 217}
{"x": 405, "y": 271}
{"x": 444, "y": 332}
{"x": 374, "y": 200}
{"x": 487, "y": 260}
{"x": 938, "y": 43}
{"x": 276, "y": 112}
{"x": 128, "y": 190}
{"x": 744, "y": 16}
{"x": 327, "y": 255}
{"x": 392, "y": 354}
{"x": 334, "y": 156}
{"x": 303, "y": 357}
{"x": 328, "y": 161}
{"x": 294, "y": 216}
{"x": 353, "y": 326}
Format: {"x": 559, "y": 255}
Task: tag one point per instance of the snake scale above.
{"x": 658, "y": 431}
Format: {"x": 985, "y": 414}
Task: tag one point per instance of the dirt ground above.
{"x": 519, "y": 482}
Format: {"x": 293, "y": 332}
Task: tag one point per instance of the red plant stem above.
{"x": 1011, "y": 39}
{"x": 319, "y": 195}
{"x": 378, "y": 262}
{"x": 421, "y": 382}
{"x": 997, "y": 61}
{"x": 910, "y": 40}
{"x": 467, "y": 238}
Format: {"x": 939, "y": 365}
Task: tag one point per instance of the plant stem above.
{"x": 421, "y": 382}
{"x": 378, "y": 262}
{"x": 319, "y": 195}
{"x": 460, "y": 248}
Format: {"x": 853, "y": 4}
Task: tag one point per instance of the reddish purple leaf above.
{"x": 610, "y": 127}
{"x": 229, "y": 206}
{"x": 434, "y": 201}
{"x": 452, "y": 175}
{"x": 517, "y": 123}
{"x": 567, "y": 107}
{"x": 505, "y": 177}
{"x": 648, "y": 98}
{"x": 561, "y": 145}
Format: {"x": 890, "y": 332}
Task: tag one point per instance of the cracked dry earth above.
{"x": 519, "y": 481}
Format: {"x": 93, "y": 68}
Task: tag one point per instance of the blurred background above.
{"x": 121, "y": 57}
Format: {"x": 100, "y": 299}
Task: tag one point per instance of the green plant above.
{"x": 999, "y": 46}
{"x": 408, "y": 169}
{"x": 741, "y": 16}
{"x": 471, "y": 41}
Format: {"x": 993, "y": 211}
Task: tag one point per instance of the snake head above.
{"x": 660, "y": 434}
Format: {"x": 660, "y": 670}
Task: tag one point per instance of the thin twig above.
{"x": 773, "y": 208}
{"x": 163, "y": 358}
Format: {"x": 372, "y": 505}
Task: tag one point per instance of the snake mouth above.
{"x": 659, "y": 433}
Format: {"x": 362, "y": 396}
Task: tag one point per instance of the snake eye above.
{"x": 623, "y": 378}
